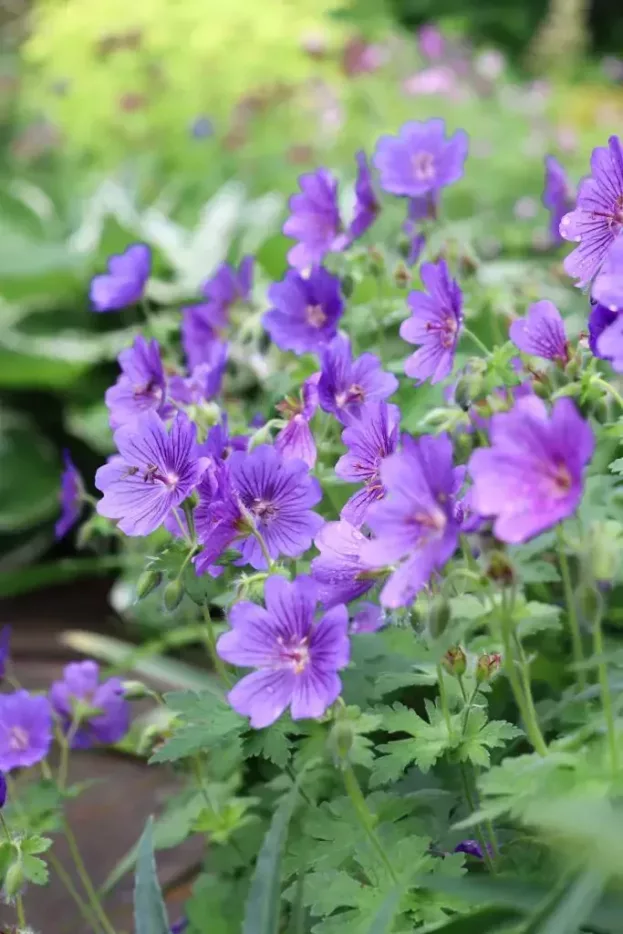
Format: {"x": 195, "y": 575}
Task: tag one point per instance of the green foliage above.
{"x": 150, "y": 915}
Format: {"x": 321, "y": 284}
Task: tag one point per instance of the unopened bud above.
{"x": 487, "y": 666}
{"x": 341, "y": 738}
{"x": 263, "y": 435}
{"x": 455, "y": 661}
{"x": 14, "y": 879}
{"x": 402, "y": 276}
{"x": 147, "y": 582}
{"x": 470, "y": 383}
{"x": 152, "y": 737}
{"x": 376, "y": 261}
{"x": 348, "y": 285}
{"x": 438, "y": 617}
{"x": 135, "y": 690}
{"x": 173, "y": 594}
{"x": 500, "y": 569}
{"x": 589, "y": 602}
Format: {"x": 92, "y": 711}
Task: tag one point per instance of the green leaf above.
{"x": 480, "y": 736}
{"x": 206, "y": 720}
{"x": 479, "y": 922}
{"x": 35, "y": 844}
{"x": 383, "y": 920}
{"x": 272, "y": 743}
{"x": 34, "y": 869}
{"x": 567, "y": 911}
{"x": 150, "y": 916}
{"x": 29, "y": 475}
{"x": 617, "y": 466}
{"x": 262, "y": 909}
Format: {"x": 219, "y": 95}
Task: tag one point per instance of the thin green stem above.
{"x": 65, "y": 878}
{"x": 210, "y": 642}
{"x": 527, "y": 712}
{"x": 524, "y": 669}
{"x": 476, "y": 340}
{"x": 471, "y": 804}
{"x": 366, "y": 819}
{"x": 606, "y": 696}
{"x": 572, "y": 613}
{"x": 603, "y": 384}
{"x": 84, "y": 877}
{"x": 65, "y": 741}
{"x": 21, "y": 916}
{"x": 443, "y": 700}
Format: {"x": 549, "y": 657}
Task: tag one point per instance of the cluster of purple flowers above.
{"x": 86, "y": 710}
{"x": 412, "y": 502}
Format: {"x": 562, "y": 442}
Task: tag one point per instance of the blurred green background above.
{"x": 184, "y": 123}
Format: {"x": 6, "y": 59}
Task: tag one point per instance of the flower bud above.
{"x": 438, "y": 617}
{"x": 376, "y": 261}
{"x": 589, "y": 602}
{"x": 500, "y": 569}
{"x": 147, "y": 582}
{"x": 470, "y": 383}
{"x": 402, "y": 276}
{"x": 341, "y": 739}
{"x": 455, "y": 661}
{"x": 487, "y": 666}
{"x": 14, "y": 879}
{"x": 605, "y": 541}
{"x": 135, "y": 690}
{"x": 173, "y": 594}
{"x": 348, "y": 285}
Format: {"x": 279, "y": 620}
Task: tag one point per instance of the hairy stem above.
{"x": 471, "y": 804}
{"x": 210, "y": 642}
{"x": 84, "y": 877}
{"x": 476, "y": 340}
{"x": 526, "y": 708}
{"x": 606, "y": 696}
{"x": 366, "y": 819}
{"x": 572, "y": 613}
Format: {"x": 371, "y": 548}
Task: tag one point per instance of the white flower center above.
{"x": 423, "y": 166}
{"x": 315, "y": 316}
{"x": 18, "y": 738}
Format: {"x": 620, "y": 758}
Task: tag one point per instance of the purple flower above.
{"x": 370, "y": 439}
{"x": 25, "y": 730}
{"x": 3, "y": 790}
{"x": 368, "y": 618}
{"x": 597, "y": 219}
{"x": 142, "y": 385}
{"x": 296, "y": 439}
{"x": 5, "y": 646}
{"x": 204, "y": 383}
{"x": 420, "y": 159}
{"x": 416, "y": 520}
{"x": 155, "y": 471}
{"x": 366, "y": 205}
{"x": 431, "y": 41}
{"x": 557, "y": 196}
{"x": 314, "y": 220}
{"x": 260, "y": 493}
{"x": 419, "y": 209}
{"x": 345, "y": 384}
{"x": 531, "y": 476}
{"x": 200, "y": 336}
{"x": 201, "y": 128}
{"x": 470, "y": 848}
{"x": 304, "y": 313}
{"x": 600, "y": 318}
{"x": 609, "y": 343}
{"x": 435, "y": 324}
{"x": 227, "y": 287}
{"x": 608, "y": 285}
{"x": 105, "y": 714}
{"x": 125, "y": 280}
{"x": 541, "y": 333}
{"x": 179, "y": 927}
{"x": 340, "y": 571}
{"x": 297, "y": 658}
{"x": 70, "y": 497}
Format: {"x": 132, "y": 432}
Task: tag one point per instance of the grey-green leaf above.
{"x": 150, "y": 916}
{"x": 264, "y": 900}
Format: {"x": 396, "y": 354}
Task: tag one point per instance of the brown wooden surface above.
{"x": 109, "y": 817}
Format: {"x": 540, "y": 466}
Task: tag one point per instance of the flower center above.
{"x": 446, "y": 330}
{"x": 315, "y": 316}
{"x": 355, "y": 393}
{"x": 263, "y": 509}
{"x": 296, "y": 656}
{"x": 150, "y": 390}
{"x": 423, "y": 166}
{"x": 289, "y": 407}
{"x": 18, "y": 738}
{"x": 435, "y": 520}
{"x": 561, "y": 481}
{"x": 152, "y": 474}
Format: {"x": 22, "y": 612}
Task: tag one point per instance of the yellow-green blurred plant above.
{"x": 116, "y": 75}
